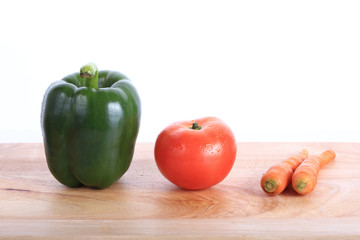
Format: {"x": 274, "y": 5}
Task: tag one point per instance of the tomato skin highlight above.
{"x": 196, "y": 159}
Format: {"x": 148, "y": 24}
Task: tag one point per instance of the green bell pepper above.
{"x": 90, "y": 121}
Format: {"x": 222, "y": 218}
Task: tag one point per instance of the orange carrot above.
{"x": 278, "y": 177}
{"x": 305, "y": 176}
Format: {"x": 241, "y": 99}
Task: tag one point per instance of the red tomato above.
{"x": 196, "y": 158}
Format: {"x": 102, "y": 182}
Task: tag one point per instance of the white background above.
{"x": 272, "y": 70}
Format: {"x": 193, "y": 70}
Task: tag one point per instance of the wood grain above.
{"x": 144, "y": 205}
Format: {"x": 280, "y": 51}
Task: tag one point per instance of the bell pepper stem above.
{"x": 90, "y": 73}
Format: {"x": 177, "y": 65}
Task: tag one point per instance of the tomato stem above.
{"x": 195, "y": 126}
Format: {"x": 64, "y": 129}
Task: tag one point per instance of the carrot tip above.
{"x": 270, "y": 186}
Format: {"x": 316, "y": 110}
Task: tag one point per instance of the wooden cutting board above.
{"x": 144, "y": 205}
